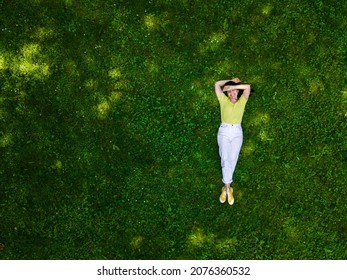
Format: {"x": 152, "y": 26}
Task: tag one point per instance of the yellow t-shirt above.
{"x": 231, "y": 113}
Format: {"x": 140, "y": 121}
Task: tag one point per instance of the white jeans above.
{"x": 230, "y": 137}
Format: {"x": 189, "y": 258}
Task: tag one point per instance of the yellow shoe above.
{"x": 230, "y": 196}
{"x": 223, "y": 195}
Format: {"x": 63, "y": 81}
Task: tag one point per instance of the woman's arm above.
{"x": 245, "y": 87}
{"x": 218, "y": 85}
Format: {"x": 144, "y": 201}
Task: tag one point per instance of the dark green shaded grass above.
{"x": 108, "y": 130}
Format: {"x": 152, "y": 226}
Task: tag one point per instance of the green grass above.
{"x": 108, "y": 123}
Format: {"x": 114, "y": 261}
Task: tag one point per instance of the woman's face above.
{"x": 233, "y": 95}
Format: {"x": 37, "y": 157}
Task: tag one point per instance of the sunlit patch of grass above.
{"x": 115, "y": 96}
{"x": 90, "y": 59}
{"x": 311, "y": 38}
{"x": 121, "y": 84}
{"x": 30, "y": 50}
{"x": 58, "y": 165}
{"x": 260, "y": 119}
{"x": 266, "y": 10}
{"x": 316, "y": 86}
{"x": 238, "y": 193}
{"x": 291, "y": 230}
{"x": 105, "y": 106}
{"x": 248, "y": 148}
{"x": 152, "y": 67}
{"x": 344, "y": 95}
{"x": 227, "y": 245}
{"x": 91, "y": 84}
{"x": 151, "y": 21}
{"x": 136, "y": 242}
{"x": 263, "y": 135}
{"x": 36, "y": 70}
{"x": 68, "y": 2}
{"x": 103, "y": 109}
{"x": 198, "y": 238}
{"x": 2, "y": 63}
{"x": 6, "y": 140}
{"x": 30, "y": 62}
{"x": 115, "y": 73}
{"x": 213, "y": 43}
{"x": 43, "y": 33}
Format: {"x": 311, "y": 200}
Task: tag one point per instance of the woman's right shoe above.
{"x": 223, "y": 195}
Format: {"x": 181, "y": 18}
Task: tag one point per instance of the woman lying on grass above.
{"x": 232, "y": 97}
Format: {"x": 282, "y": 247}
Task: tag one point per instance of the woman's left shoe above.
{"x": 230, "y": 196}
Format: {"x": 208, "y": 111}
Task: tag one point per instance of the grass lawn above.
{"x": 108, "y": 129}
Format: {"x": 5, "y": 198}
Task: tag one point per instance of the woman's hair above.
{"x": 231, "y": 83}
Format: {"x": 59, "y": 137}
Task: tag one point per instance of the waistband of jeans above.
{"x": 229, "y": 124}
